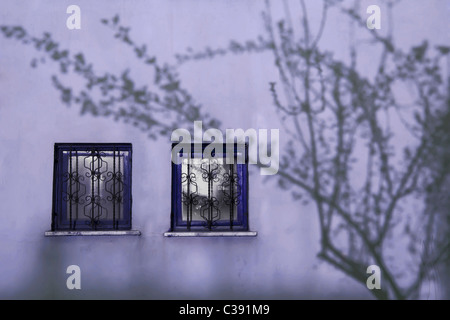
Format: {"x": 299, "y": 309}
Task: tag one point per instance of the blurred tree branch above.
{"x": 157, "y": 110}
{"x": 335, "y": 103}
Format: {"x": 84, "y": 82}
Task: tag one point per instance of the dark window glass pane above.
{"x": 92, "y": 187}
{"x": 213, "y": 187}
{"x": 210, "y": 190}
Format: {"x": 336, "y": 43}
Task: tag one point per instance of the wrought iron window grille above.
{"x": 209, "y": 192}
{"x": 92, "y": 187}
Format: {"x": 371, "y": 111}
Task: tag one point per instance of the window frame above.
{"x": 241, "y": 224}
{"x": 60, "y": 222}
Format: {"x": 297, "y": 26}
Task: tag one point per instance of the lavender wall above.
{"x": 280, "y": 262}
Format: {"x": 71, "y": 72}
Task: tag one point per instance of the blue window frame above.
{"x": 92, "y": 186}
{"x": 209, "y": 191}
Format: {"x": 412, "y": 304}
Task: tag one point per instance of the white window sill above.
{"x": 93, "y": 233}
{"x": 211, "y": 234}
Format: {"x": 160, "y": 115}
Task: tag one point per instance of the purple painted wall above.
{"x": 280, "y": 262}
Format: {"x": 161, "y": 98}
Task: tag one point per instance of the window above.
{"x": 209, "y": 191}
{"x": 91, "y": 187}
